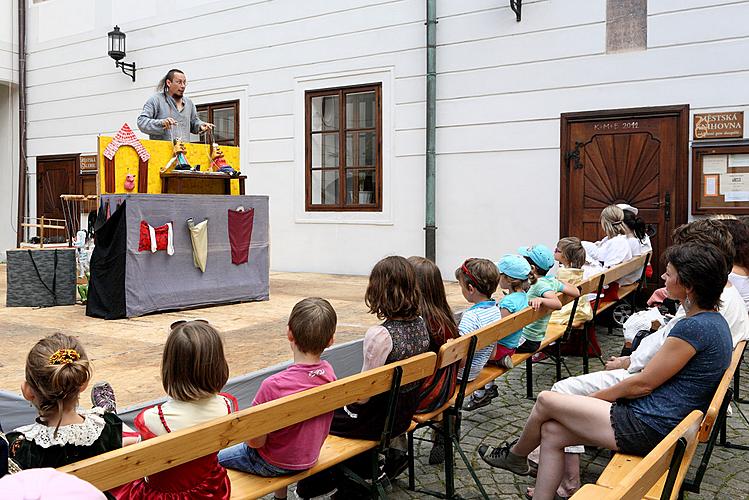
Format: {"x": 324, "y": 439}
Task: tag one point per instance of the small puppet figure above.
{"x": 218, "y": 162}
{"x": 179, "y": 153}
{"x": 129, "y": 182}
{"x": 179, "y": 160}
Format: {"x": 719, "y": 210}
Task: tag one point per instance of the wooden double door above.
{"x": 635, "y": 156}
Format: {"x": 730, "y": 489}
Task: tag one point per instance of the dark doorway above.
{"x": 637, "y": 156}
{"x": 55, "y": 175}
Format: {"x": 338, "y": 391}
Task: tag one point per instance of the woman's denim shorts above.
{"x": 632, "y": 436}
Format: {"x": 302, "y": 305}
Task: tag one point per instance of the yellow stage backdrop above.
{"x": 126, "y": 162}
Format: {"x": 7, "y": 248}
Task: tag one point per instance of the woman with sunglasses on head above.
{"x": 634, "y": 415}
{"x": 193, "y": 371}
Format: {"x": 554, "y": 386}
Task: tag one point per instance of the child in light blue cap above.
{"x": 542, "y": 292}
{"x": 514, "y": 272}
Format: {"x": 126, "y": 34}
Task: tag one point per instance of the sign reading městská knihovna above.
{"x": 719, "y": 125}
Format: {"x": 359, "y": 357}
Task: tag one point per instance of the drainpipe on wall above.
{"x": 22, "y": 166}
{"x": 431, "y": 123}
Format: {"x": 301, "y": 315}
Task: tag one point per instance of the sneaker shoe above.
{"x": 492, "y": 392}
{"x": 478, "y": 402}
{"x": 503, "y": 458}
{"x": 539, "y": 356}
{"x": 318, "y": 486}
{"x": 506, "y": 362}
{"x": 102, "y": 395}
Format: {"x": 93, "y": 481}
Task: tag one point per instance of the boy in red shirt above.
{"x": 289, "y": 450}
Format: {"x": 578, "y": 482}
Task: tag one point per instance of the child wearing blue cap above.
{"x": 514, "y": 272}
{"x": 542, "y": 292}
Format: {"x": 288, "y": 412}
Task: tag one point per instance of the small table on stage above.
{"x": 188, "y": 182}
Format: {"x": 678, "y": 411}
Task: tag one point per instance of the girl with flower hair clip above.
{"x": 57, "y": 371}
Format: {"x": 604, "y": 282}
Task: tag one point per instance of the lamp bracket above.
{"x": 127, "y": 68}
{"x": 516, "y": 6}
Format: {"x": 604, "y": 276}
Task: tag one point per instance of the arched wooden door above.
{"x": 635, "y": 156}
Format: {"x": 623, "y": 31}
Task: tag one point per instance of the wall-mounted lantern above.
{"x": 117, "y": 52}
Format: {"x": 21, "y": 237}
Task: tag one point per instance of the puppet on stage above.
{"x": 218, "y": 163}
{"x": 179, "y": 160}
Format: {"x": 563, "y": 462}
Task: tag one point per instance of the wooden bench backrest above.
{"x": 590, "y": 285}
{"x": 656, "y": 463}
{"x": 720, "y": 393}
{"x": 621, "y": 270}
{"x": 154, "y": 455}
{"x": 453, "y": 351}
{"x": 512, "y": 323}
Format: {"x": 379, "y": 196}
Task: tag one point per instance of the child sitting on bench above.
{"x": 478, "y": 280}
{"x": 193, "y": 371}
{"x": 574, "y": 268}
{"x": 543, "y": 292}
{"x": 310, "y": 331}
{"x": 57, "y": 371}
{"x": 513, "y": 277}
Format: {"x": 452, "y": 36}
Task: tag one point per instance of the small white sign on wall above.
{"x": 735, "y": 187}
{"x": 715, "y": 164}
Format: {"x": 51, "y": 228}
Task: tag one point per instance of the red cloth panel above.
{"x": 240, "y": 233}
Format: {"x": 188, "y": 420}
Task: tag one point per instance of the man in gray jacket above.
{"x": 168, "y": 114}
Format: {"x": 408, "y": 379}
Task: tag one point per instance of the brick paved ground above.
{"x": 503, "y": 419}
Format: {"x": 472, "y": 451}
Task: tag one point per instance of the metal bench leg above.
{"x": 692, "y": 485}
{"x": 737, "y": 384}
{"x": 454, "y": 441}
{"x": 529, "y": 378}
{"x": 411, "y": 466}
{"x": 558, "y": 354}
{"x": 586, "y": 341}
{"x": 448, "y": 434}
{"x": 723, "y": 435}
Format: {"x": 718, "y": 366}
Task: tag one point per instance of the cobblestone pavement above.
{"x": 503, "y": 419}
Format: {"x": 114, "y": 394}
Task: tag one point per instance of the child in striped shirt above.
{"x": 478, "y": 280}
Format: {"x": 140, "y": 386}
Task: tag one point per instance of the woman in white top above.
{"x": 614, "y": 248}
{"x": 739, "y": 276}
{"x": 636, "y": 230}
{"x": 637, "y": 237}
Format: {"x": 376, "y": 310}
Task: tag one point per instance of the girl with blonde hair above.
{"x": 614, "y": 248}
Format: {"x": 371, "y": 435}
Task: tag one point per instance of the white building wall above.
{"x": 8, "y": 41}
{"x": 501, "y": 87}
{"x": 8, "y": 124}
{"x": 8, "y": 167}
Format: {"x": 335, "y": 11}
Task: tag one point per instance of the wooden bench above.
{"x": 455, "y": 351}
{"x": 657, "y": 475}
{"x": 154, "y": 455}
{"x": 464, "y": 348}
{"x": 622, "y": 465}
